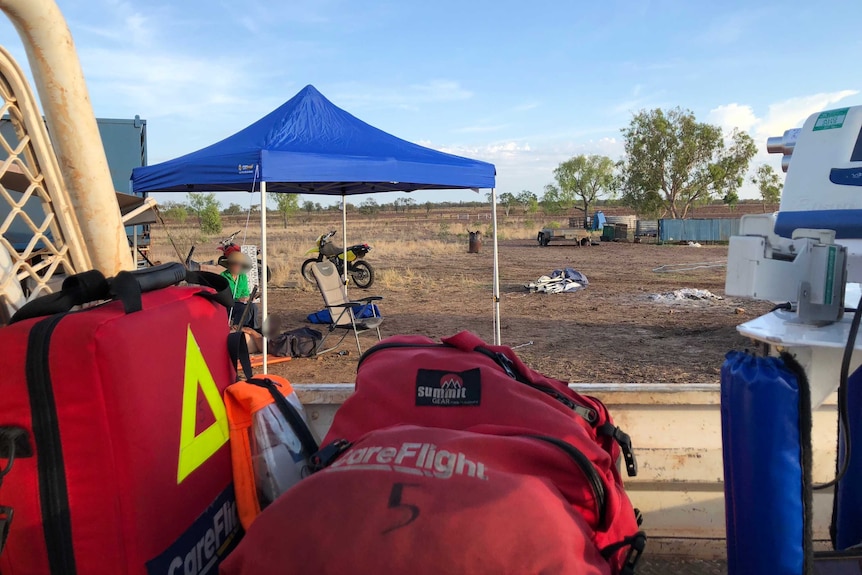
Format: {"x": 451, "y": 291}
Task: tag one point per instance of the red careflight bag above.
{"x": 462, "y": 383}
{"x": 122, "y": 464}
{"x": 428, "y": 501}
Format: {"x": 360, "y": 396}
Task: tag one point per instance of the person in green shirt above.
{"x": 237, "y": 264}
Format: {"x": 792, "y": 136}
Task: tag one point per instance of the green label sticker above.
{"x": 831, "y": 120}
{"x": 830, "y": 276}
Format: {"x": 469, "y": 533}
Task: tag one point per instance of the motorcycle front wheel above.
{"x": 260, "y": 275}
{"x": 362, "y": 274}
{"x": 306, "y": 270}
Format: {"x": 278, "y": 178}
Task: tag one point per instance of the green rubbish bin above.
{"x": 608, "y": 234}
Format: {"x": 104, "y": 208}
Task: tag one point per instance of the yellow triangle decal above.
{"x": 195, "y": 450}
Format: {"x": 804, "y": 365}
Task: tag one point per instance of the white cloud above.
{"x": 731, "y": 28}
{"x": 526, "y": 107}
{"x": 779, "y": 116}
{"x": 479, "y": 129}
{"x": 525, "y": 165}
{"x": 410, "y": 97}
{"x": 732, "y": 116}
{"x": 439, "y": 91}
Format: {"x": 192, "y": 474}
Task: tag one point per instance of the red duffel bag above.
{"x": 428, "y": 501}
{"x": 463, "y": 383}
{"x": 121, "y": 456}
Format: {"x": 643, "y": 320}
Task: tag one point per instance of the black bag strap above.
{"x": 14, "y": 442}
{"x": 237, "y": 348}
{"x": 636, "y": 544}
{"x": 127, "y": 287}
{"x": 290, "y": 413}
{"x": 77, "y": 290}
{"x": 223, "y": 294}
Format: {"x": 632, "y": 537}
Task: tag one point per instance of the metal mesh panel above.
{"x": 34, "y": 255}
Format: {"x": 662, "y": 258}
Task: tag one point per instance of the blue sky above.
{"x": 522, "y": 84}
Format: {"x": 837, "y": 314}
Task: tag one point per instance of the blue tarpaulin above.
{"x": 311, "y": 146}
{"x": 325, "y": 316}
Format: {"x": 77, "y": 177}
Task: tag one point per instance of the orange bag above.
{"x": 270, "y": 441}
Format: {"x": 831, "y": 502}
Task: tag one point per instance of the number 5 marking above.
{"x": 396, "y": 503}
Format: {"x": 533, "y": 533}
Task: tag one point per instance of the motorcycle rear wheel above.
{"x": 362, "y": 274}
{"x": 306, "y": 270}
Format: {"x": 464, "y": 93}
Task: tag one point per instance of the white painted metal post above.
{"x": 344, "y": 235}
{"x": 72, "y": 126}
{"x": 263, "y": 294}
{"x": 497, "y": 338}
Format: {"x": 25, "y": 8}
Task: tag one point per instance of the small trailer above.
{"x": 581, "y": 236}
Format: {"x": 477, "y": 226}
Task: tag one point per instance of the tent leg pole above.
{"x": 263, "y": 295}
{"x": 344, "y": 234}
{"x": 497, "y": 338}
{"x": 134, "y": 247}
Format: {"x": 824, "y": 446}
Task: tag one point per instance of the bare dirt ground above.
{"x": 610, "y": 332}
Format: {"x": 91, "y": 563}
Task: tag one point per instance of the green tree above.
{"x": 206, "y": 207}
{"x": 318, "y": 207}
{"x": 211, "y": 220}
{"x": 528, "y": 201}
{"x": 730, "y": 200}
{"x": 582, "y": 179}
{"x": 286, "y": 205}
{"x": 683, "y": 161}
{"x": 308, "y": 206}
{"x": 552, "y": 202}
{"x": 233, "y": 210}
{"x": 769, "y": 184}
{"x": 175, "y": 211}
{"x": 369, "y": 206}
{"x": 508, "y": 201}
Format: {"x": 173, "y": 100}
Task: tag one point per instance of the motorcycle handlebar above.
{"x": 230, "y": 238}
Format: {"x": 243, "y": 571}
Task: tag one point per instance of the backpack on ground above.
{"x": 477, "y": 419}
{"x": 270, "y": 441}
{"x": 302, "y": 342}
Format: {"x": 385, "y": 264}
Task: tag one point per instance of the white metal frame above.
{"x": 74, "y": 133}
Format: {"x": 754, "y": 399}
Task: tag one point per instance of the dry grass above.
{"x": 398, "y": 279}
{"x": 395, "y": 243}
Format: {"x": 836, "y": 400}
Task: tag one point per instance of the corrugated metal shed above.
{"x": 706, "y": 230}
{"x": 647, "y": 228}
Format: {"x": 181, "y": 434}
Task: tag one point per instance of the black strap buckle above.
{"x": 636, "y": 550}
{"x": 328, "y": 454}
{"x": 5, "y": 521}
{"x": 625, "y": 442}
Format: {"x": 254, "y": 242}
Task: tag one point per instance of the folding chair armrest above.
{"x": 370, "y": 298}
{"x": 350, "y": 304}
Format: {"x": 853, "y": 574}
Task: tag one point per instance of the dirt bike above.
{"x": 359, "y": 270}
{"x": 227, "y": 247}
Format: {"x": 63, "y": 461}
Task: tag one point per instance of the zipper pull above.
{"x": 506, "y": 364}
{"x": 327, "y": 455}
{"x": 586, "y": 412}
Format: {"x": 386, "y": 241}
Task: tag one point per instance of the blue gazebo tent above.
{"x": 310, "y": 146}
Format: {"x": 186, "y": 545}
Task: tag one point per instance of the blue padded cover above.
{"x": 763, "y": 465}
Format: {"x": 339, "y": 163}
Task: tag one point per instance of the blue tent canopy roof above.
{"x": 311, "y": 146}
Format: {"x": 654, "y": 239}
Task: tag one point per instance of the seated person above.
{"x": 237, "y": 264}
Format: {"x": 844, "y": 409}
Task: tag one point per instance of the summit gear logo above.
{"x": 448, "y": 388}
